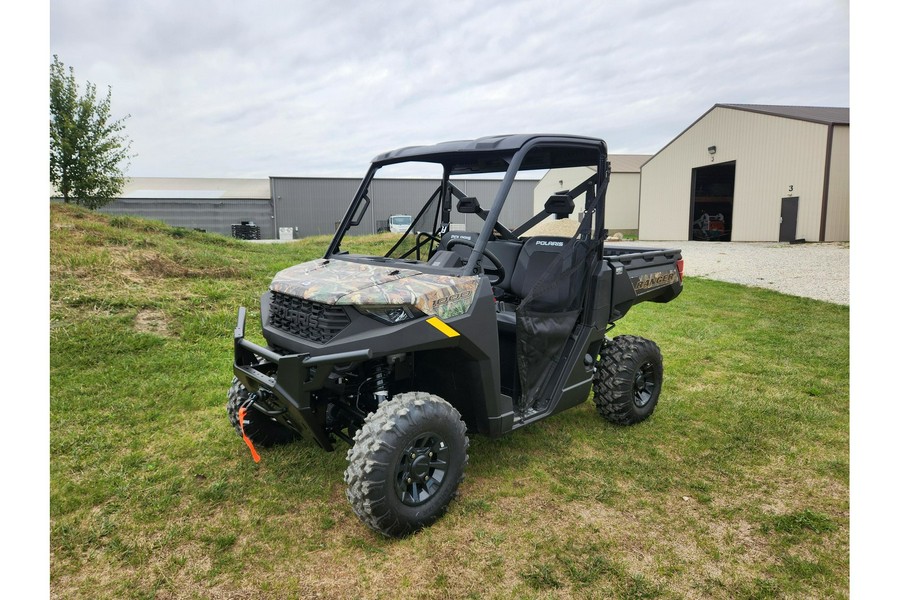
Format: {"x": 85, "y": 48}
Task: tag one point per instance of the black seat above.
{"x": 537, "y": 254}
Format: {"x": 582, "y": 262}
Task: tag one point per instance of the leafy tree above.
{"x": 87, "y": 146}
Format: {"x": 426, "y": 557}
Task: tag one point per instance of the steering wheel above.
{"x": 497, "y": 275}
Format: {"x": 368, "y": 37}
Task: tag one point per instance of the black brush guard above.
{"x": 293, "y": 379}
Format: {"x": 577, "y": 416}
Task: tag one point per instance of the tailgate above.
{"x": 644, "y": 274}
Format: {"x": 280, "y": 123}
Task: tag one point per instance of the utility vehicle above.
{"x": 399, "y": 223}
{"x": 450, "y": 333}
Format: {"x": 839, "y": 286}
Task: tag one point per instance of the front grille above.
{"x": 309, "y": 320}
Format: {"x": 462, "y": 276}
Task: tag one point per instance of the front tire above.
{"x": 628, "y": 380}
{"x": 262, "y": 430}
{"x": 406, "y": 464}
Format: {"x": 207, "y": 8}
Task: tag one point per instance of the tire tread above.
{"x": 613, "y": 379}
{"x": 367, "y": 477}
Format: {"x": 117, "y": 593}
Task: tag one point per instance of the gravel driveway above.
{"x": 817, "y": 270}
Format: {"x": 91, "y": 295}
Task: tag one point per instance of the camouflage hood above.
{"x": 340, "y": 282}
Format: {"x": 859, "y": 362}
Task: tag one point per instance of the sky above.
{"x": 318, "y": 88}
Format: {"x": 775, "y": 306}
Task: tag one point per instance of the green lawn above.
{"x": 737, "y": 487}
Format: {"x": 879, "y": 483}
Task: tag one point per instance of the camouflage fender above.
{"x": 345, "y": 283}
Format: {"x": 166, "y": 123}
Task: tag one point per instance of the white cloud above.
{"x": 319, "y": 88}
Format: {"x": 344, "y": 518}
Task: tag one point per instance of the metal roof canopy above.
{"x": 827, "y": 115}
{"x": 493, "y": 154}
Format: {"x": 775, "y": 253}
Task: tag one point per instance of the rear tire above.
{"x": 628, "y": 379}
{"x": 262, "y": 430}
{"x": 406, "y": 464}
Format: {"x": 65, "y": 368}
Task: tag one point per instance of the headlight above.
{"x": 392, "y": 314}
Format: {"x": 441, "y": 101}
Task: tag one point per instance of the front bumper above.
{"x": 290, "y": 379}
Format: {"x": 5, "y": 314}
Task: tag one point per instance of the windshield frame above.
{"x": 513, "y": 158}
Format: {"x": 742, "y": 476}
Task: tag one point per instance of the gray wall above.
{"x": 313, "y": 206}
{"x": 215, "y": 215}
{"x": 518, "y": 208}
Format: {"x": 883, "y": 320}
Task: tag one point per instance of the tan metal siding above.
{"x": 622, "y": 195}
{"x": 666, "y": 194}
{"x": 770, "y": 153}
{"x": 550, "y": 183}
{"x": 837, "y": 226}
{"x": 622, "y": 201}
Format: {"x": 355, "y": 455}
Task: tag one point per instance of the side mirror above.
{"x": 560, "y": 205}
{"x": 468, "y": 205}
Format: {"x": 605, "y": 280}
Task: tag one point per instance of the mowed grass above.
{"x": 737, "y": 486}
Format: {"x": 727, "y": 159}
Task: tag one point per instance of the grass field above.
{"x": 737, "y": 487}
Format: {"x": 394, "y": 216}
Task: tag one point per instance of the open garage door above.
{"x": 712, "y": 202}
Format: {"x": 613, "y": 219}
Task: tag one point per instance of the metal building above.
{"x": 305, "y": 206}
{"x": 748, "y": 172}
{"x": 315, "y": 206}
{"x": 212, "y": 205}
{"x": 623, "y": 196}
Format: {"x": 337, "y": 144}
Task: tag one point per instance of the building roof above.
{"x": 628, "y": 163}
{"x": 195, "y": 187}
{"x": 828, "y": 115}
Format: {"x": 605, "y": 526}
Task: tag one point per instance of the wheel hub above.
{"x": 421, "y": 469}
{"x": 644, "y": 384}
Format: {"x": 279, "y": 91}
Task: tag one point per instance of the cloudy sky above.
{"x": 317, "y": 88}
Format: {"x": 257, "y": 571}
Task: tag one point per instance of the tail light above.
{"x": 679, "y": 264}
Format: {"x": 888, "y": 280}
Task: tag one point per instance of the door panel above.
{"x": 787, "y": 232}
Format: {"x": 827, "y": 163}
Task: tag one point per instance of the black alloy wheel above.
{"x": 422, "y": 469}
{"x": 628, "y": 379}
{"x": 406, "y": 463}
{"x": 645, "y": 383}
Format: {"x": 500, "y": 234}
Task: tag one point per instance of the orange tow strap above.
{"x": 253, "y": 452}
